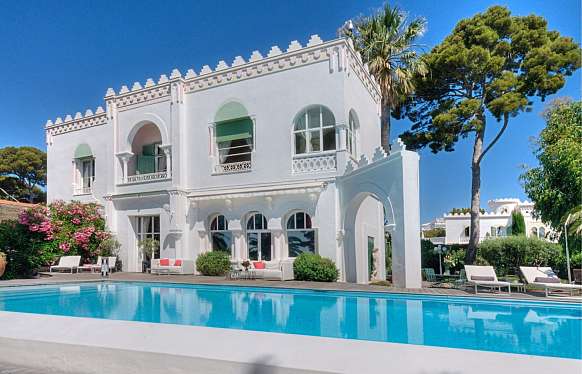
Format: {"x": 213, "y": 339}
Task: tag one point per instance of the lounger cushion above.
{"x": 164, "y": 262}
{"x": 484, "y": 278}
{"x": 178, "y": 263}
{"x": 546, "y": 280}
{"x": 259, "y": 265}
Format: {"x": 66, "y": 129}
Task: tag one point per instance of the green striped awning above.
{"x": 240, "y": 128}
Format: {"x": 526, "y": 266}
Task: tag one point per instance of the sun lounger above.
{"x": 67, "y": 263}
{"x": 484, "y": 276}
{"x": 546, "y": 279}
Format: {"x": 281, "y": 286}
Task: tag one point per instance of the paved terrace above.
{"x": 55, "y": 278}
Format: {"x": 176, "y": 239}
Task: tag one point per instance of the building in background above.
{"x": 493, "y": 223}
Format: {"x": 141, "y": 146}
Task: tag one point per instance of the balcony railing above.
{"x": 82, "y": 190}
{"x": 150, "y": 177}
{"x": 233, "y": 167}
{"x": 315, "y": 163}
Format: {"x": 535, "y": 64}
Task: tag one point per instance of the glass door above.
{"x": 259, "y": 244}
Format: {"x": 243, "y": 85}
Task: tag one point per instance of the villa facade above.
{"x": 265, "y": 159}
{"x": 494, "y": 223}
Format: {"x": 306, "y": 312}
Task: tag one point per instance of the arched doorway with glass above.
{"x": 259, "y": 240}
{"x": 220, "y": 235}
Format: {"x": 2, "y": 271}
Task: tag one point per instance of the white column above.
{"x": 168, "y": 154}
{"x": 124, "y": 170}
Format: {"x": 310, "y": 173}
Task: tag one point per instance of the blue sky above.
{"x": 59, "y": 57}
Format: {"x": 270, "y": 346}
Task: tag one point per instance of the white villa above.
{"x": 266, "y": 158}
{"x": 494, "y": 223}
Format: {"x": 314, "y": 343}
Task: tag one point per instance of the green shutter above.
{"x": 149, "y": 150}
{"x": 146, "y": 164}
{"x": 227, "y": 131}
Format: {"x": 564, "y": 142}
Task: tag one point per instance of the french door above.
{"x": 259, "y": 244}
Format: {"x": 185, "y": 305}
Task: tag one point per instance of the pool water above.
{"x": 524, "y": 327}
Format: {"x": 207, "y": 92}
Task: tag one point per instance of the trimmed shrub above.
{"x": 213, "y": 263}
{"x": 517, "y": 223}
{"x": 313, "y": 267}
{"x": 509, "y": 253}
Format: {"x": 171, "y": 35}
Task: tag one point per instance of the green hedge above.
{"x": 213, "y": 263}
{"x": 313, "y": 267}
{"x": 509, "y": 253}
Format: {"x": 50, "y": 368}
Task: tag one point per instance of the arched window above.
{"x": 534, "y": 231}
{"x": 84, "y": 164}
{"x": 542, "y": 232}
{"x": 300, "y": 234}
{"x": 234, "y": 138}
{"x": 352, "y": 134}
{"x": 467, "y": 231}
{"x": 314, "y": 130}
{"x": 220, "y": 235}
{"x": 258, "y": 238}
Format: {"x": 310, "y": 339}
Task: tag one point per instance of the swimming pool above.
{"x": 524, "y": 327}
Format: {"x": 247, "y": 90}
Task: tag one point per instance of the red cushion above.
{"x": 164, "y": 262}
{"x": 259, "y": 264}
{"x": 178, "y": 263}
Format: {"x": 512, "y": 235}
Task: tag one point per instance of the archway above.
{"x": 146, "y": 146}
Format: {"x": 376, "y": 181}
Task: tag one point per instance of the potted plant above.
{"x": 2, "y": 263}
{"x": 148, "y": 247}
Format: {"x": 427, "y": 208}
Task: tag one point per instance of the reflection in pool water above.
{"x": 535, "y": 328}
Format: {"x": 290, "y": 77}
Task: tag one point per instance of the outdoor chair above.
{"x": 545, "y": 278}
{"x": 67, "y": 263}
{"x": 484, "y": 276}
{"x": 429, "y": 275}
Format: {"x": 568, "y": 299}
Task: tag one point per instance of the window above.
{"x": 234, "y": 140}
{"x": 258, "y": 238}
{"x": 534, "y": 231}
{"x": 542, "y": 232}
{"x": 148, "y": 227}
{"x": 314, "y": 130}
{"x": 220, "y": 235}
{"x": 300, "y": 234}
{"x": 467, "y": 231}
{"x": 351, "y": 136}
{"x": 84, "y": 173}
{"x": 151, "y": 160}
{"x": 87, "y": 172}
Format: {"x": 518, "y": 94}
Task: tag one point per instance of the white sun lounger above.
{"x": 67, "y": 263}
{"x": 484, "y": 276}
{"x": 545, "y": 278}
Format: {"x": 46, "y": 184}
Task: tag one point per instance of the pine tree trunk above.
{"x": 385, "y": 126}
{"x": 475, "y": 196}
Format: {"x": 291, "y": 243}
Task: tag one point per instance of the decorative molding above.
{"x": 314, "y": 164}
{"x": 339, "y": 52}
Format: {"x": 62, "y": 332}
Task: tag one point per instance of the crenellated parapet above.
{"x": 339, "y": 53}
{"x": 76, "y": 122}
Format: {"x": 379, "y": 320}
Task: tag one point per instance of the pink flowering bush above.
{"x": 67, "y": 228}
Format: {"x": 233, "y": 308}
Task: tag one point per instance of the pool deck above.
{"x": 33, "y": 343}
{"x": 55, "y": 278}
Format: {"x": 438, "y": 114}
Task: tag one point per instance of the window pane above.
{"x": 307, "y": 221}
{"x": 300, "y": 143}
{"x": 314, "y": 141}
{"x": 300, "y": 217}
{"x": 157, "y": 250}
{"x": 301, "y": 241}
{"x": 252, "y": 241}
{"x": 222, "y": 241}
{"x": 329, "y": 139}
{"x": 266, "y": 246}
{"x": 258, "y": 222}
{"x": 300, "y": 122}
{"x": 156, "y": 220}
{"x": 148, "y": 224}
{"x": 214, "y": 224}
{"x": 251, "y": 223}
{"x": 313, "y": 118}
{"x": 291, "y": 222}
{"x": 328, "y": 119}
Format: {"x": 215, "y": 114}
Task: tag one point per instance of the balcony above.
{"x": 314, "y": 163}
{"x": 149, "y": 177}
{"x": 233, "y": 167}
{"x": 84, "y": 187}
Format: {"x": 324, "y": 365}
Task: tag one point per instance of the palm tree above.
{"x": 386, "y": 42}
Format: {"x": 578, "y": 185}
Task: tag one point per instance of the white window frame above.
{"x": 295, "y": 229}
{"x": 352, "y": 135}
{"x": 140, "y": 234}
{"x": 254, "y": 230}
{"x": 308, "y": 130}
{"x": 218, "y": 229}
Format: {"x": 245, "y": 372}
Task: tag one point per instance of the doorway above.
{"x": 259, "y": 241}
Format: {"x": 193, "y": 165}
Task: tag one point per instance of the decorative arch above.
{"x": 393, "y": 182}
{"x": 149, "y": 118}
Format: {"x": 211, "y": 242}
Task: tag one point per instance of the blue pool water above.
{"x": 534, "y": 328}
